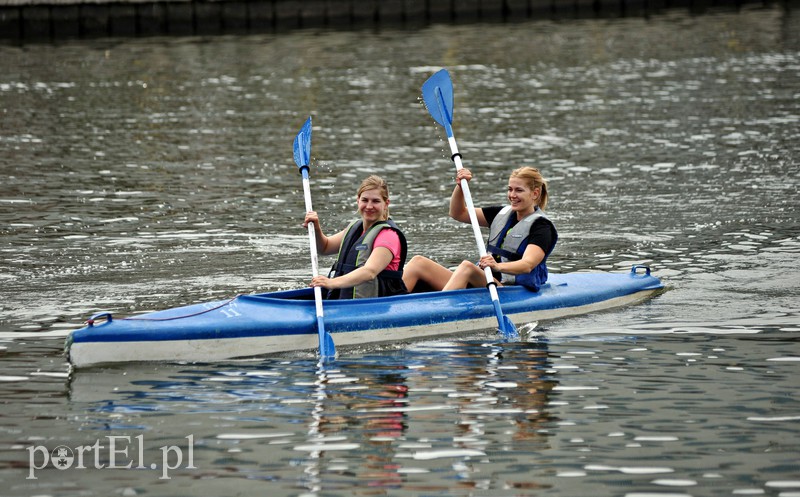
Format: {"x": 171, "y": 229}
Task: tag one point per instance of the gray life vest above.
{"x": 354, "y": 251}
{"x": 508, "y": 244}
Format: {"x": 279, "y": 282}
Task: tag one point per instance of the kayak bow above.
{"x": 285, "y": 321}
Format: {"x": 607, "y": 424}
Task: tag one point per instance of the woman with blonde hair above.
{"x": 371, "y": 250}
{"x": 521, "y": 238}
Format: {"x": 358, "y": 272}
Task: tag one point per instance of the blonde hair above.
{"x": 534, "y": 179}
{"x": 375, "y": 182}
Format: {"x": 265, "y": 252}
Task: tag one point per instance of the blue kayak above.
{"x": 285, "y": 321}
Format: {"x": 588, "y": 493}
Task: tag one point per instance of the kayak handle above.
{"x": 633, "y": 271}
{"x": 99, "y": 315}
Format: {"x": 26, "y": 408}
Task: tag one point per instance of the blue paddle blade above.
{"x": 326, "y": 347}
{"x": 302, "y": 145}
{"x": 437, "y": 92}
{"x": 507, "y": 328}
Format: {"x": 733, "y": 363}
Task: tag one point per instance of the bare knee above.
{"x": 414, "y": 271}
{"x": 416, "y": 264}
{"x": 417, "y": 259}
{"x": 465, "y": 266}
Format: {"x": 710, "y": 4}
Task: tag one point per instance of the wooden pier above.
{"x": 43, "y": 20}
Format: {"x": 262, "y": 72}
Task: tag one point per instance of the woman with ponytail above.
{"x": 521, "y": 238}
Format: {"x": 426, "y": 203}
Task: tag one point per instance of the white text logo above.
{"x": 119, "y": 452}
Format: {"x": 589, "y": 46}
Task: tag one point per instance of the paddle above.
{"x": 302, "y": 156}
{"x": 437, "y": 92}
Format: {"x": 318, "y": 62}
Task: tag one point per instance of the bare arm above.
{"x": 325, "y": 245}
{"x": 458, "y": 206}
{"x": 377, "y": 262}
{"x": 531, "y": 258}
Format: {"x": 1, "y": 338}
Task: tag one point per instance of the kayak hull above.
{"x": 279, "y": 322}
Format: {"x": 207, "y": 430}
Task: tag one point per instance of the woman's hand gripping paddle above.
{"x": 302, "y": 156}
{"x": 437, "y": 92}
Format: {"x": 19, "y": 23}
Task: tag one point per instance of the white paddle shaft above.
{"x": 473, "y": 217}
{"x": 312, "y": 238}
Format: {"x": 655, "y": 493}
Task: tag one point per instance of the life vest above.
{"x": 508, "y": 244}
{"x": 354, "y": 251}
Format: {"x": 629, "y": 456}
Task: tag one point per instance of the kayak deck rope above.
{"x": 107, "y": 315}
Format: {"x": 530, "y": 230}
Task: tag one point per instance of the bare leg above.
{"x": 466, "y": 274}
{"x": 421, "y": 268}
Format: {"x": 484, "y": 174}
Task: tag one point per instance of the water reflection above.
{"x": 582, "y": 412}
{"x": 419, "y": 413}
{"x": 377, "y": 398}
